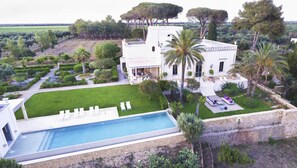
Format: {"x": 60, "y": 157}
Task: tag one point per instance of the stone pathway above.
{"x": 26, "y": 94}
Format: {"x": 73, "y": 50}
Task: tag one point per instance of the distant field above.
{"x": 28, "y": 29}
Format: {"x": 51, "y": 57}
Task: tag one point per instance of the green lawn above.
{"x": 29, "y": 29}
{"x": 205, "y": 113}
{"x": 50, "y": 103}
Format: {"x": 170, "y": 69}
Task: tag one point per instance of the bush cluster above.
{"x": 185, "y": 159}
{"x": 232, "y": 155}
{"x": 230, "y": 89}
{"x": 69, "y": 78}
{"x": 106, "y": 75}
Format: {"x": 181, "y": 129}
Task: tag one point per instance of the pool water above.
{"x": 35, "y": 142}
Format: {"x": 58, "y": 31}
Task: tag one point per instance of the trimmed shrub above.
{"x": 54, "y": 85}
{"x": 64, "y": 73}
{"x": 69, "y": 78}
{"x": 78, "y": 68}
{"x": 115, "y": 74}
{"x": 97, "y": 81}
{"x": 105, "y": 75}
{"x": 164, "y": 85}
{"x": 97, "y": 72}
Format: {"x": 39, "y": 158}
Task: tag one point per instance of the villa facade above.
{"x": 144, "y": 60}
{"x": 9, "y": 129}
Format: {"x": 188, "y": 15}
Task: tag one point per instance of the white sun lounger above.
{"x": 67, "y": 114}
{"x": 76, "y": 112}
{"x": 81, "y": 112}
{"x": 128, "y": 105}
{"x": 91, "y": 110}
{"x": 96, "y": 110}
{"x": 123, "y": 108}
{"x": 61, "y": 115}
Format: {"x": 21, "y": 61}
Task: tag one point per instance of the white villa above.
{"x": 143, "y": 60}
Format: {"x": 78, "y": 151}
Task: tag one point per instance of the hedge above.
{"x": 55, "y": 85}
{"x": 35, "y": 67}
{"x": 115, "y": 75}
{"x": 13, "y": 88}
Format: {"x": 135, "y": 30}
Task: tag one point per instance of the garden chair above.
{"x": 81, "y": 112}
{"x": 91, "y": 110}
{"x": 76, "y": 112}
{"x": 67, "y": 114}
{"x": 128, "y": 105}
{"x": 61, "y": 115}
{"x": 96, "y": 110}
{"x": 123, "y": 108}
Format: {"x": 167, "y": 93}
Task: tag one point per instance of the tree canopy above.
{"x": 152, "y": 12}
{"x": 81, "y": 55}
{"x": 106, "y": 50}
{"x": 107, "y": 28}
{"x": 205, "y": 15}
{"x": 262, "y": 17}
{"x": 185, "y": 50}
{"x": 191, "y": 125}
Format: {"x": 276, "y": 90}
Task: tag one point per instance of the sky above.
{"x": 67, "y": 11}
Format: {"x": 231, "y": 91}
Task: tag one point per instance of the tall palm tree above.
{"x": 246, "y": 68}
{"x": 184, "y": 50}
{"x": 267, "y": 59}
{"x": 81, "y": 55}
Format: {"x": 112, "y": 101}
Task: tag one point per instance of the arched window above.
{"x": 153, "y": 48}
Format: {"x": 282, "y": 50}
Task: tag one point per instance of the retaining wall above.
{"x": 107, "y": 153}
{"x": 250, "y": 128}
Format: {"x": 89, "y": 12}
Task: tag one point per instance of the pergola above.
{"x": 15, "y": 104}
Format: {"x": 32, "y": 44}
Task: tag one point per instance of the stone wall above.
{"x": 107, "y": 153}
{"x": 251, "y": 128}
{"x": 276, "y": 97}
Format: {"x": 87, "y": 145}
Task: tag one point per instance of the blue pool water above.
{"x": 35, "y": 142}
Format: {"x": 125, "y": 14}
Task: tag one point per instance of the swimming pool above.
{"x": 74, "y": 138}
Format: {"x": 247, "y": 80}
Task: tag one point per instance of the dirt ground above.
{"x": 71, "y": 45}
{"x": 131, "y": 160}
{"x": 282, "y": 154}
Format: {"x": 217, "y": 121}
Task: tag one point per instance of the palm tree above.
{"x": 81, "y": 55}
{"x": 247, "y": 69}
{"x": 267, "y": 59}
{"x": 184, "y": 49}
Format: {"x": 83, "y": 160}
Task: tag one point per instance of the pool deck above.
{"x": 53, "y": 121}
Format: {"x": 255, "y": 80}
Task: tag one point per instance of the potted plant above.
{"x": 189, "y": 73}
{"x": 211, "y": 72}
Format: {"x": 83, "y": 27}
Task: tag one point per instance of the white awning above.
{"x": 143, "y": 63}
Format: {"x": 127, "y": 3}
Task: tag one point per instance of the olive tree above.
{"x": 191, "y": 126}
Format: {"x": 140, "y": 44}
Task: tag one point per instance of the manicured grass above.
{"x": 51, "y": 103}
{"x": 205, "y": 113}
{"x": 29, "y": 29}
